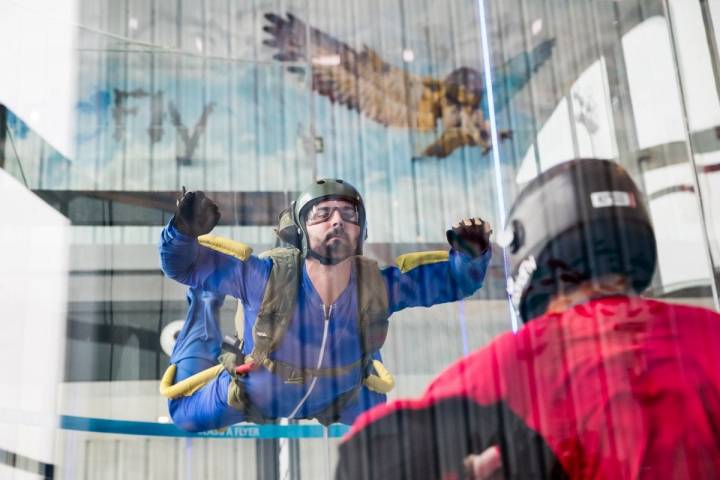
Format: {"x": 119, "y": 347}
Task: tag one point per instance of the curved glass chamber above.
{"x": 435, "y": 111}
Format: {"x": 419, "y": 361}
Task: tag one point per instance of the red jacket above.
{"x": 617, "y": 388}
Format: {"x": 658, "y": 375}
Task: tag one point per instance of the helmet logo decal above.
{"x": 516, "y": 286}
{"x": 612, "y": 199}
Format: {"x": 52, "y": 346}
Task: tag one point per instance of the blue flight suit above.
{"x": 317, "y": 333}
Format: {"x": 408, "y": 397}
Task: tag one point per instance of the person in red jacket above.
{"x": 600, "y": 383}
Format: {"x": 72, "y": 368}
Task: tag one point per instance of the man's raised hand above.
{"x": 196, "y": 214}
{"x": 470, "y": 236}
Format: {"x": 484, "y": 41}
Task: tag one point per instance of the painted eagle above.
{"x": 363, "y": 81}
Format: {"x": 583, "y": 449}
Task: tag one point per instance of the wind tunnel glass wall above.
{"x": 633, "y": 82}
{"x": 251, "y": 101}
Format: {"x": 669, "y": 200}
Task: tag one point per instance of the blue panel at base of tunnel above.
{"x": 250, "y": 431}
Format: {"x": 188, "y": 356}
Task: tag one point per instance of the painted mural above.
{"x": 394, "y": 97}
{"x": 245, "y": 99}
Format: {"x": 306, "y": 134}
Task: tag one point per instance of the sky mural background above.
{"x": 212, "y": 110}
{"x": 179, "y": 93}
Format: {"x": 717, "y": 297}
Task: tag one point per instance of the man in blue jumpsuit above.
{"x": 323, "y": 338}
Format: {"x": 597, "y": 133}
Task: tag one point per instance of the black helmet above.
{"x": 577, "y": 221}
{"x": 324, "y": 189}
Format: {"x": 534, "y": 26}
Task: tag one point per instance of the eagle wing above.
{"x": 360, "y": 80}
{"x": 515, "y": 74}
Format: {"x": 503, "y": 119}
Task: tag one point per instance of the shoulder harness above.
{"x": 274, "y": 316}
{"x": 273, "y": 319}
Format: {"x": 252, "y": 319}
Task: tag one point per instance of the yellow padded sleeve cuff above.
{"x": 409, "y": 261}
{"x": 225, "y": 245}
{"x": 188, "y": 386}
{"x": 383, "y": 382}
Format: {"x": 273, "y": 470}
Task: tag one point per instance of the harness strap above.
{"x": 238, "y": 399}
{"x": 272, "y": 321}
{"x": 293, "y": 374}
{"x": 278, "y": 303}
{"x": 373, "y": 305}
{"x": 237, "y": 396}
{"x": 332, "y": 413}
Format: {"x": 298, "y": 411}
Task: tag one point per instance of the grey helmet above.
{"x": 580, "y": 220}
{"x": 324, "y": 189}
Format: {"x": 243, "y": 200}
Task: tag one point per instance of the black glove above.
{"x": 196, "y": 214}
{"x": 470, "y": 236}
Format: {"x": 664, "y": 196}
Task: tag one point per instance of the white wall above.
{"x": 38, "y": 59}
{"x": 33, "y": 301}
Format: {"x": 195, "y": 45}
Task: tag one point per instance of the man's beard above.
{"x": 334, "y": 249}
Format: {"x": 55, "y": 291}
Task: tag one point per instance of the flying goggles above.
{"x": 320, "y": 214}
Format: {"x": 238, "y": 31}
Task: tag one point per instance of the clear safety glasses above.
{"x": 320, "y": 214}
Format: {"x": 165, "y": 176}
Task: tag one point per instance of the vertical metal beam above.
{"x": 294, "y": 447}
{"x": 267, "y": 454}
{"x": 3, "y": 131}
{"x": 691, "y": 151}
{"x": 710, "y": 35}
{"x": 626, "y": 140}
{"x": 497, "y": 164}
{"x": 532, "y": 94}
{"x": 326, "y": 443}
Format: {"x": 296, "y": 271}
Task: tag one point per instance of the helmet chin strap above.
{"x": 324, "y": 260}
